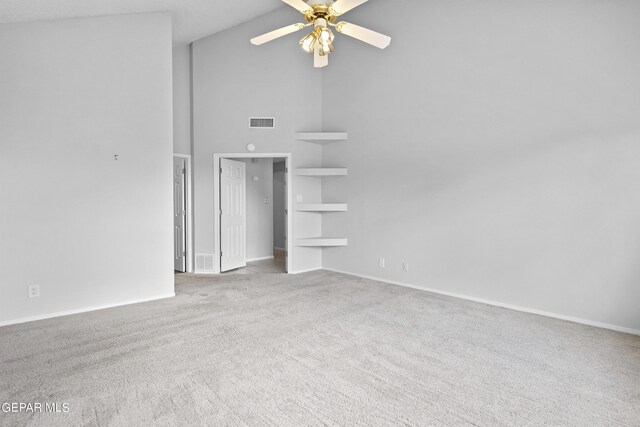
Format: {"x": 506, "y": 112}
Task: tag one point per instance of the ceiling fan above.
{"x": 322, "y": 14}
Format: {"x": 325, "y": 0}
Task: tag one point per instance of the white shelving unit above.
{"x": 322, "y": 242}
{"x": 320, "y": 172}
{"x": 322, "y": 207}
{"x": 322, "y": 138}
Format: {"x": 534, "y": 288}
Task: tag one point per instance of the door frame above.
{"x": 188, "y": 216}
{"x": 216, "y": 201}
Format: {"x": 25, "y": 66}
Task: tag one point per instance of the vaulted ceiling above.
{"x": 192, "y": 19}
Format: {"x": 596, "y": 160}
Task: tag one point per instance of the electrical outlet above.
{"x": 405, "y": 266}
{"x": 266, "y": 200}
{"x": 298, "y": 198}
{"x": 34, "y": 291}
{"x": 381, "y": 262}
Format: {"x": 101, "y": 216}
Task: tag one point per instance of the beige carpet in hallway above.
{"x": 317, "y": 349}
{"x": 276, "y": 265}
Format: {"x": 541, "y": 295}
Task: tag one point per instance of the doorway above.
{"x": 279, "y": 189}
{"x": 252, "y": 198}
{"x": 182, "y": 258}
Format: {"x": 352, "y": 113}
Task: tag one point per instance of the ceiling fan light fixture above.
{"x": 325, "y": 50}
{"x": 308, "y": 42}
{"x": 325, "y": 40}
{"x": 326, "y": 36}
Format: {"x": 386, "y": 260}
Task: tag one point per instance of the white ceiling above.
{"x": 192, "y": 19}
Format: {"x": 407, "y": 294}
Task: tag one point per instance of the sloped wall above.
{"x": 495, "y": 147}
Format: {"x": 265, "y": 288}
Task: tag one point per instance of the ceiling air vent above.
{"x": 262, "y": 122}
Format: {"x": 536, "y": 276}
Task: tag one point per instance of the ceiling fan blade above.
{"x": 300, "y": 5}
{"x": 344, "y": 6}
{"x": 318, "y": 60}
{"x": 272, "y": 35}
{"x": 363, "y": 34}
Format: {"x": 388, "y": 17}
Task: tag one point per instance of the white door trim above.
{"x": 216, "y": 201}
{"x": 188, "y": 216}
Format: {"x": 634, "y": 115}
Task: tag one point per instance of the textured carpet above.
{"x": 277, "y": 265}
{"x": 317, "y": 349}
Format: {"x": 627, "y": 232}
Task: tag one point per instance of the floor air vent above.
{"x": 262, "y": 122}
{"x": 204, "y": 263}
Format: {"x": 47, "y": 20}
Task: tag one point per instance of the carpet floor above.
{"x": 319, "y": 348}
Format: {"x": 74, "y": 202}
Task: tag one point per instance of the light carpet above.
{"x": 317, "y": 349}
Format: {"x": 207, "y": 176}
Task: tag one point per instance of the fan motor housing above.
{"x": 321, "y": 9}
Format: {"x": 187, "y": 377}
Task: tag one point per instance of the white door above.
{"x": 286, "y": 215}
{"x": 233, "y": 217}
{"x": 179, "y": 215}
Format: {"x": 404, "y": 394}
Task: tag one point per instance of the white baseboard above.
{"x": 82, "y": 310}
{"x": 196, "y": 271}
{"x": 497, "y": 304}
{"x": 260, "y": 259}
{"x": 307, "y": 271}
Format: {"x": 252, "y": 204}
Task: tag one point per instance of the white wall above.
{"x": 234, "y": 80}
{"x": 279, "y": 198}
{"x": 494, "y": 146}
{"x": 90, "y": 230}
{"x": 181, "y": 100}
{"x": 259, "y": 214}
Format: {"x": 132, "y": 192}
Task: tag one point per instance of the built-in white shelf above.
{"x": 322, "y": 207}
{"x": 322, "y": 137}
{"x": 321, "y": 172}
{"x": 321, "y": 242}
